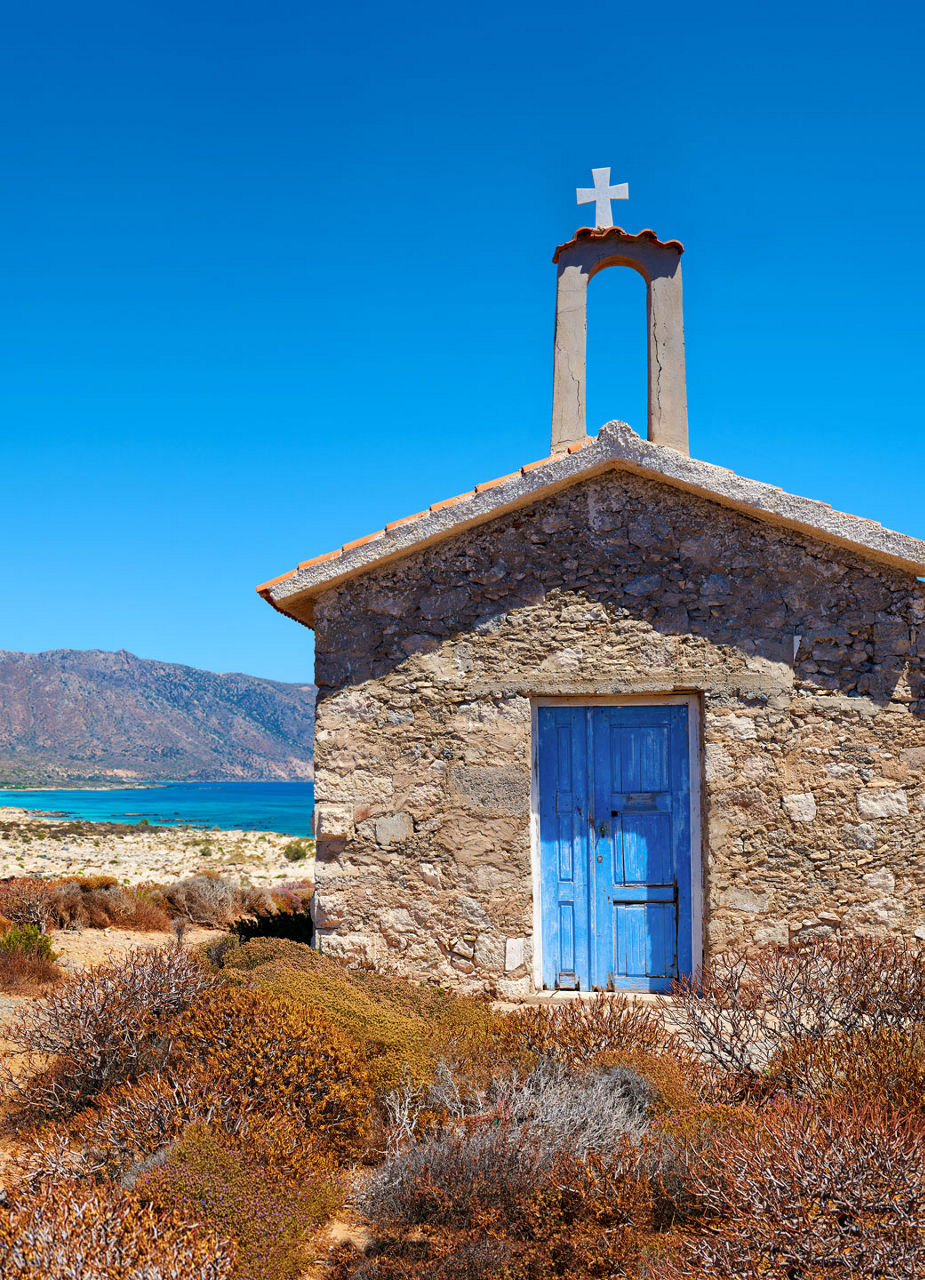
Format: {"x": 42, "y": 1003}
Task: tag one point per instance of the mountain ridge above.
{"x": 101, "y": 716}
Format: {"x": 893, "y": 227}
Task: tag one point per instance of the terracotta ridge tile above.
{"x": 265, "y": 586}
{"x": 540, "y": 462}
{"x": 493, "y": 484}
{"x": 328, "y": 555}
{"x": 361, "y": 542}
{"x": 451, "y": 502}
{"x": 396, "y": 524}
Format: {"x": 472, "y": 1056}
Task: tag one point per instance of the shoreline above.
{"x": 46, "y": 844}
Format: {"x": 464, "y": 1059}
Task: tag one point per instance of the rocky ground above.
{"x": 36, "y": 844}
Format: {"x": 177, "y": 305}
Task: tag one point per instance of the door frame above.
{"x": 695, "y": 756}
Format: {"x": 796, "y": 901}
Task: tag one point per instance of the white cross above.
{"x": 602, "y": 193}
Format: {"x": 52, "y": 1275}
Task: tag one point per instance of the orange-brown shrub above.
{"x": 281, "y": 1054}
{"x": 260, "y": 1191}
{"x": 26, "y": 900}
{"x": 96, "y": 902}
{"x": 481, "y": 1204}
{"x": 837, "y": 1192}
{"x": 885, "y": 1066}
{"x": 60, "y": 1231}
{"x": 675, "y": 1079}
{"x": 578, "y": 1030}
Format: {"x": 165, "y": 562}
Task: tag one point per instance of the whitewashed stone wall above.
{"x": 808, "y": 661}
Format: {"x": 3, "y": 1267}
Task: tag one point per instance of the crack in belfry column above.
{"x": 660, "y": 266}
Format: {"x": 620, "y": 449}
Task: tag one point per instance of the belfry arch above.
{"x": 659, "y": 263}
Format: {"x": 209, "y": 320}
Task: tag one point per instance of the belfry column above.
{"x": 659, "y": 263}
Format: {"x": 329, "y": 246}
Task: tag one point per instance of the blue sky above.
{"x": 273, "y": 274}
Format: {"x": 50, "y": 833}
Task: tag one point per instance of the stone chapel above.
{"x": 586, "y": 724}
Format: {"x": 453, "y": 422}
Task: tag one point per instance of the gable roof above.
{"x": 619, "y": 448}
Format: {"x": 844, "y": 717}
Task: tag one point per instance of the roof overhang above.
{"x": 619, "y": 448}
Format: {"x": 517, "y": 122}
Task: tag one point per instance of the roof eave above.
{"x": 617, "y": 447}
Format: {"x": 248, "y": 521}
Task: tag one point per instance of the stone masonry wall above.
{"x": 809, "y": 663}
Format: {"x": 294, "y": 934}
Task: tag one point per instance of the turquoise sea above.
{"x": 285, "y": 807}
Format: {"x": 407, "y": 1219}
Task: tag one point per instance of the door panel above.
{"x": 564, "y": 840}
{"x": 646, "y": 846}
{"x": 614, "y": 802}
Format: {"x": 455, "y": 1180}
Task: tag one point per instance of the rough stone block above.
{"x": 515, "y": 950}
{"x": 800, "y": 807}
{"x": 333, "y": 821}
{"x": 491, "y": 790}
{"x": 882, "y": 804}
{"x": 393, "y": 829}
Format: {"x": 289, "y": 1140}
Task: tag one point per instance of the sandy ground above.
{"x": 35, "y": 844}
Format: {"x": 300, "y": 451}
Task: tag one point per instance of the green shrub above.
{"x": 28, "y": 940}
{"x": 299, "y": 850}
{"x": 27, "y": 960}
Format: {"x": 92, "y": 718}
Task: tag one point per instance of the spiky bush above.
{"x": 885, "y": 1065}
{"x": 835, "y": 1192}
{"x": 576, "y": 1031}
{"x": 281, "y": 1054}
{"x": 104, "y": 1026}
{"x": 744, "y": 1009}
{"x": 67, "y": 1232}
{"x": 26, "y": 900}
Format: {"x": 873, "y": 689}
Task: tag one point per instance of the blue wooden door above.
{"x": 614, "y": 807}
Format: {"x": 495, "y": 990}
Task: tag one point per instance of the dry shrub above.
{"x": 836, "y": 1192}
{"x": 132, "y": 1128}
{"x": 490, "y": 1203}
{"x": 257, "y": 1191}
{"x": 69, "y": 1232}
{"x": 211, "y": 899}
{"x": 26, "y": 900}
{"x": 402, "y": 1029}
{"x": 281, "y": 1054}
{"x": 536, "y": 1176}
{"x": 104, "y": 1026}
{"x": 207, "y": 899}
{"x": 576, "y": 1031}
{"x": 674, "y": 1081}
{"x": 742, "y": 1010}
{"x": 885, "y": 1066}
{"x": 97, "y": 902}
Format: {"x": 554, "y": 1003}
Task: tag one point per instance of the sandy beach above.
{"x": 34, "y": 843}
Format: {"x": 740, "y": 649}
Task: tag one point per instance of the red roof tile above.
{"x": 329, "y": 555}
{"x": 397, "y": 524}
{"x": 617, "y": 233}
{"x": 361, "y": 542}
